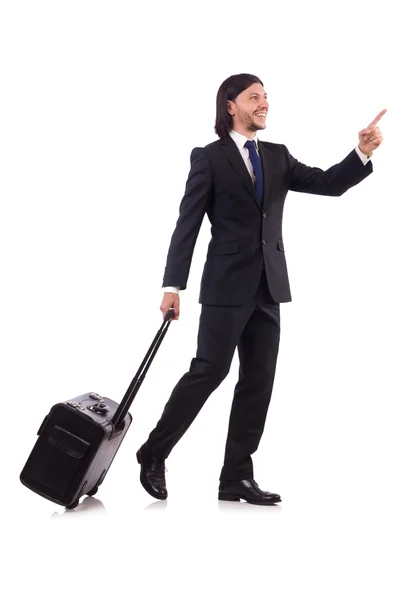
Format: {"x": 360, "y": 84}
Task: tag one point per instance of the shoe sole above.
{"x": 143, "y": 482}
{"x": 237, "y": 498}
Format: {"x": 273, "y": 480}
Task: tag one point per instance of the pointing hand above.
{"x": 370, "y": 137}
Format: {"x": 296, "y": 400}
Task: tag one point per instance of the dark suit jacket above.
{"x": 246, "y": 233}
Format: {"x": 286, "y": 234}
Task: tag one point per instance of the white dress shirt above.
{"x": 240, "y": 141}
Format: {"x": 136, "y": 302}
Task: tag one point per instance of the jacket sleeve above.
{"x": 335, "y": 181}
{"x": 193, "y": 206}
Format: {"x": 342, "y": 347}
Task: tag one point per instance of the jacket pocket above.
{"x": 223, "y": 248}
{"x": 280, "y": 245}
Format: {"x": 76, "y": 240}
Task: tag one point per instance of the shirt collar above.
{"x": 240, "y": 139}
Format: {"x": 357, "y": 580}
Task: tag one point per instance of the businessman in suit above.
{"x": 241, "y": 184}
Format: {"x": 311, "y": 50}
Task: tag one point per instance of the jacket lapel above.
{"x": 267, "y": 161}
{"x": 233, "y": 154}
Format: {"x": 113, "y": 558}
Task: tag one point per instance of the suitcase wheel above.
{"x": 93, "y": 491}
{"x": 73, "y": 505}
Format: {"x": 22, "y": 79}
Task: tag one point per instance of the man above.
{"x": 241, "y": 184}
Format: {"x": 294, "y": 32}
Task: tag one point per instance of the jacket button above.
{"x": 264, "y": 215}
{"x": 263, "y": 242}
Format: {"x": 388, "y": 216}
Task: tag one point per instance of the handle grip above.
{"x": 169, "y": 314}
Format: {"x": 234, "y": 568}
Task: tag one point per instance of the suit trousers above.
{"x": 254, "y": 328}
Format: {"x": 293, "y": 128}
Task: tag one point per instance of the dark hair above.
{"x": 229, "y": 90}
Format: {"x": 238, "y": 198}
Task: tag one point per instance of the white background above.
{"x": 101, "y": 105}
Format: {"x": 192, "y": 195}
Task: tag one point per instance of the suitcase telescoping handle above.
{"x": 135, "y": 384}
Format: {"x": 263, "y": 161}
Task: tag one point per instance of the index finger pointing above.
{"x": 378, "y": 117}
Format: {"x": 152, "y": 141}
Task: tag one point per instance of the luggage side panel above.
{"x": 62, "y": 455}
{"x": 72, "y": 454}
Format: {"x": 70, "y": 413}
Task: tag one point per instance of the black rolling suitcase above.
{"x": 79, "y": 438}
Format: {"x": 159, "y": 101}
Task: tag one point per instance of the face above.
{"x": 249, "y": 110}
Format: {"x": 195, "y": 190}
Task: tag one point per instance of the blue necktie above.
{"x": 257, "y": 167}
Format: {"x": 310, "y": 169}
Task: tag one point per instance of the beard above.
{"x": 251, "y": 122}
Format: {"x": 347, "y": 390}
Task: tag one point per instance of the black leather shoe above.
{"x": 152, "y": 475}
{"x": 246, "y": 489}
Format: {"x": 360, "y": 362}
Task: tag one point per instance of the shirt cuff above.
{"x": 170, "y": 288}
{"x": 362, "y": 156}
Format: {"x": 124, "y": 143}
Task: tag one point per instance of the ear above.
{"x": 230, "y": 109}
